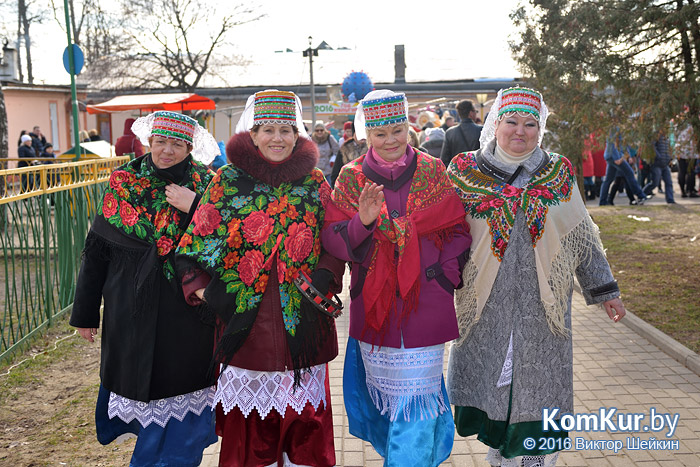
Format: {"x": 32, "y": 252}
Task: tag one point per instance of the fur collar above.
{"x": 242, "y": 153}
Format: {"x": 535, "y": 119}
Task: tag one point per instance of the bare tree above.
{"x": 93, "y": 27}
{"x": 169, "y": 44}
{"x": 4, "y": 153}
{"x": 28, "y": 13}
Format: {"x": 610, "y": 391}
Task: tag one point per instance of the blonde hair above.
{"x": 413, "y": 138}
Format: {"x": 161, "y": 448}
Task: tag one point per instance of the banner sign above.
{"x": 336, "y": 108}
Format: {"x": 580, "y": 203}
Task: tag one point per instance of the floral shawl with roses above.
{"x": 134, "y": 204}
{"x": 559, "y": 225}
{"x": 239, "y": 228}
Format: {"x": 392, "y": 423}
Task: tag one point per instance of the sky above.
{"x": 447, "y": 40}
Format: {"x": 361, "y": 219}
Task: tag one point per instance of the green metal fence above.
{"x": 45, "y": 213}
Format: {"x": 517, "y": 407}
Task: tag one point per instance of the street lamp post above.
{"x": 311, "y": 53}
{"x": 481, "y": 98}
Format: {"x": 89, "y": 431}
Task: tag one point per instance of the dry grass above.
{"x": 657, "y": 264}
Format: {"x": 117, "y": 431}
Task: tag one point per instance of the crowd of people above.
{"x": 218, "y": 317}
{"x": 613, "y": 166}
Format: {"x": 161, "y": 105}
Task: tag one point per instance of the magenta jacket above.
{"x": 434, "y": 322}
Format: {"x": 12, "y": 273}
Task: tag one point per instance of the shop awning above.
{"x": 178, "y": 102}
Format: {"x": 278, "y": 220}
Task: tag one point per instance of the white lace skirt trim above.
{"x": 405, "y": 381}
{"x": 162, "y": 410}
{"x": 494, "y": 457}
{"x": 267, "y": 390}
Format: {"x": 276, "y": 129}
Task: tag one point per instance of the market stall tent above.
{"x": 92, "y": 148}
{"x": 178, "y": 102}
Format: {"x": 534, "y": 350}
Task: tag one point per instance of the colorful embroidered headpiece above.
{"x": 380, "y": 108}
{"x": 275, "y": 107}
{"x": 272, "y": 106}
{"x": 178, "y": 126}
{"x": 520, "y": 100}
{"x": 173, "y": 125}
{"x": 524, "y": 101}
{"x": 384, "y": 111}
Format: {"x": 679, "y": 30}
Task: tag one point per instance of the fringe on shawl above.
{"x": 410, "y": 302}
{"x": 422, "y": 406}
{"x": 577, "y": 249}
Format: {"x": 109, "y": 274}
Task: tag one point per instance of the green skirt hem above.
{"x": 508, "y": 438}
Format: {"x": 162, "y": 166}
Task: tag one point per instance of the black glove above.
{"x": 321, "y": 280}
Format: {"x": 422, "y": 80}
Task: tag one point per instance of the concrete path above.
{"x": 613, "y": 367}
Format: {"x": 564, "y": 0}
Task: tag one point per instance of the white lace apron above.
{"x": 162, "y": 410}
{"x": 494, "y": 457}
{"x": 267, "y": 390}
{"x": 405, "y": 381}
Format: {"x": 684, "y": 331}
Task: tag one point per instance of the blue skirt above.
{"x": 425, "y": 441}
{"x": 179, "y": 443}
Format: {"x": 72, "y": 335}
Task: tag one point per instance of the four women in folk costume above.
{"x": 155, "y": 347}
{"x": 397, "y": 218}
{"x": 531, "y": 235}
{"x": 257, "y": 227}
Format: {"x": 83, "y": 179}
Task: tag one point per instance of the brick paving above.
{"x": 613, "y": 367}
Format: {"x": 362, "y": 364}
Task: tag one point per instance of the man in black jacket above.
{"x": 462, "y": 137}
{"x": 38, "y": 140}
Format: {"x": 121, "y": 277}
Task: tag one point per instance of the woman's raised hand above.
{"x": 371, "y": 201}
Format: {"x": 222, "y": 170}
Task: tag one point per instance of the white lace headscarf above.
{"x": 360, "y": 128}
{"x": 204, "y": 146}
{"x": 247, "y": 119}
{"x": 488, "y": 132}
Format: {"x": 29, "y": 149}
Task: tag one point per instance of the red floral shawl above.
{"x": 433, "y": 209}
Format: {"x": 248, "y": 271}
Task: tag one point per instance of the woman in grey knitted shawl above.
{"x": 531, "y": 235}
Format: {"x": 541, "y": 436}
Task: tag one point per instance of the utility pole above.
{"x": 311, "y": 53}
{"x": 71, "y": 71}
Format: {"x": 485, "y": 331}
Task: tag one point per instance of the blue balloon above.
{"x": 358, "y": 84}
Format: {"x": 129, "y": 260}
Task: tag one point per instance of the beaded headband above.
{"x": 173, "y": 125}
{"x": 384, "y": 111}
{"x": 520, "y": 100}
{"x": 275, "y": 107}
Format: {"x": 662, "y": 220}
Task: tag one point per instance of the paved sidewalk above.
{"x": 613, "y": 367}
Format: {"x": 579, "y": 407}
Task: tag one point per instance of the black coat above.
{"x": 460, "y": 138}
{"x": 25, "y": 152}
{"x": 153, "y": 346}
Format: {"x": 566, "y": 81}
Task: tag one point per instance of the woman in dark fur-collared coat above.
{"x": 258, "y": 225}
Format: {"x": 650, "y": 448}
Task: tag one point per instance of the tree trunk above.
{"x": 76, "y": 31}
{"x": 4, "y": 153}
{"x": 21, "y": 9}
{"x": 27, "y": 42}
{"x": 28, "y": 49}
